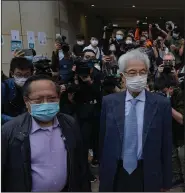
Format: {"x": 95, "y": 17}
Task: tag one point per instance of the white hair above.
{"x": 133, "y": 55}
{"x": 169, "y": 54}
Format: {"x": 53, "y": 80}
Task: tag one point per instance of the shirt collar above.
{"x": 36, "y": 126}
{"x": 140, "y": 97}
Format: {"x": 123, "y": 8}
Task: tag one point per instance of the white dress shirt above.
{"x": 140, "y": 116}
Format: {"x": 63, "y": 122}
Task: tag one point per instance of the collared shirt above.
{"x": 48, "y": 158}
{"x": 140, "y": 116}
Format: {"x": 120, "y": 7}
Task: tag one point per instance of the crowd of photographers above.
{"x": 86, "y": 73}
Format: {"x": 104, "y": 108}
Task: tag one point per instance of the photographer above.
{"x": 129, "y": 44}
{"x": 141, "y": 31}
{"x": 83, "y": 100}
{"x": 79, "y": 46}
{"x": 118, "y": 41}
{"x": 175, "y": 43}
{"x": 167, "y": 66}
{"x": 145, "y": 47}
{"x": 58, "y": 54}
{"x": 166, "y": 86}
{"x": 159, "y": 50}
{"x": 66, "y": 65}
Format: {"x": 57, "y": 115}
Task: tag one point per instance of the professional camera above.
{"x": 42, "y": 66}
{"x": 61, "y": 39}
{"x": 110, "y": 27}
{"x": 170, "y": 26}
{"x": 141, "y": 23}
{"x": 111, "y": 81}
{"x": 72, "y": 88}
{"x": 83, "y": 67}
{"x": 168, "y": 66}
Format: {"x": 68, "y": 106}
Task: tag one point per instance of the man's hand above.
{"x": 62, "y": 88}
{"x": 155, "y": 43}
{"x": 157, "y": 26}
{"x": 182, "y": 42}
{"x": 74, "y": 68}
{"x": 86, "y": 79}
{"x": 161, "y": 68}
{"x": 150, "y": 26}
{"x": 173, "y": 47}
{"x": 106, "y": 59}
{"x": 58, "y": 46}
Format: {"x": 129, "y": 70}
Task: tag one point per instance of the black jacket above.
{"x": 16, "y": 155}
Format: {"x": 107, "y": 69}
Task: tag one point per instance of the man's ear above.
{"x": 26, "y": 102}
{"x": 11, "y": 73}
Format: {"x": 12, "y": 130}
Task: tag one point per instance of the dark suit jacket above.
{"x": 16, "y": 155}
{"x": 157, "y": 141}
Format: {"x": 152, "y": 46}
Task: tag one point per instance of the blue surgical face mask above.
{"x": 29, "y": 58}
{"x": 44, "y": 112}
{"x": 119, "y": 37}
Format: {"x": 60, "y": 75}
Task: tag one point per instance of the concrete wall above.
{"x": 38, "y": 16}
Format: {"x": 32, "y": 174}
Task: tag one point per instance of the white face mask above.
{"x": 128, "y": 41}
{"x": 94, "y": 42}
{"x": 80, "y": 43}
{"x": 175, "y": 35}
{"x": 137, "y": 83}
{"x": 112, "y": 48}
{"x": 19, "y": 81}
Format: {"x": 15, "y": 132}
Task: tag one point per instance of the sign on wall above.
{"x": 42, "y": 38}
{"x": 31, "y": 39}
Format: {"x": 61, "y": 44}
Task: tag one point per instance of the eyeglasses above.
{"x": 135, "y": 73}
{"x": 43, "y": 100}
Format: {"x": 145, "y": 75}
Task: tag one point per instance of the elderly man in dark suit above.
{"x": 136, "y": 134}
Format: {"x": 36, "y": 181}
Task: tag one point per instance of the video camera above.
{"x": 112, "y": 80}
{"x": 83, "y": 67}
{"x": 42, "y": 66}
{"x": 62, "y": 41}
{"x": 168, "y": 66}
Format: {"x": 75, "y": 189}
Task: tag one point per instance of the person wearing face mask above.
{"x": 175, "y": 43}
{"x": 42, "y": 149}
{"x": 66, "y": 65}
{"x": 119, "y": 40}
{"x": 159, "y": 49}
{"x": 135, "y": 133}
{"x": 94, "y": 46}
{"x": 79, "y": 46}
{"x": 166, "y": 85}
{"x": 129, "y": 44}
{"x": 12, "y": 100}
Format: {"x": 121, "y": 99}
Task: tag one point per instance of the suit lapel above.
{"x": 119, "y": 113}
{"x": 150, "y": 111}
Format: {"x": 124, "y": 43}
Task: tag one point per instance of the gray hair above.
{"x": 133, "y": 55}
{"x": 169, "y": 54}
